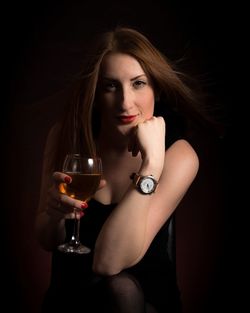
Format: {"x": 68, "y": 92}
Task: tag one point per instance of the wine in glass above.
{"x": 86, "y": 174}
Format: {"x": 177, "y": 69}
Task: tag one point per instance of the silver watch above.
{"x": 144, "y": 184}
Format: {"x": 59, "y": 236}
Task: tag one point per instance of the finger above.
{"x": 56, "y": 210}
{"x": 79, "y": 215}
{"x": 102, "y": 184}
{"x": 59, "y": 210}
{"x": 57, "y": 205}
{"x": 61, "y": 177}
{"x": 55, "y": 197}
{"x": 72, "y": 203}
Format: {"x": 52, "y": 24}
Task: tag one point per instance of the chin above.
{"x": 125, "y": 130}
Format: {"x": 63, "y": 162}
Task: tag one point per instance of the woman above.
{"x": 128, "y": 107}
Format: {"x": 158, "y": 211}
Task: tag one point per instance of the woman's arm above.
{"x": 54, "y": 207}
{"x": 130, "y": 229}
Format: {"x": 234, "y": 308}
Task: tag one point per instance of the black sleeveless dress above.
{"x": 74, "y": 286}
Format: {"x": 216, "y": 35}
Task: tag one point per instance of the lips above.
{"x": 126, "y": 119}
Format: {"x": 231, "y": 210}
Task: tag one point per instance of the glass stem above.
{"x": 76, "y": 231}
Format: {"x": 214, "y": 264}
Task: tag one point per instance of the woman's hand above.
{"x": 61, "y": 206}
{"x": 148, "y": 137}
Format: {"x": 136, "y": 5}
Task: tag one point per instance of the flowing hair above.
{"x": 79, "y": 126}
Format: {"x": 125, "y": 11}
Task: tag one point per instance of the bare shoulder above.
{"x": 183, "y": 148}
{"x": 181, "y": 155}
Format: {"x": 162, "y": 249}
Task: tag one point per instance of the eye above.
{"x": 110, "y": 86}
{"x": 139, "y": 84}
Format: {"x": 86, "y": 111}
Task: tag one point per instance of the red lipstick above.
{"x": 127, "y": 119}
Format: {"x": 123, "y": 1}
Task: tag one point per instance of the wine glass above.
{"x": 86, "y": 174}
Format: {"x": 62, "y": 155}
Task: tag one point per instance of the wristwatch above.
{"x": 144, "y": 184}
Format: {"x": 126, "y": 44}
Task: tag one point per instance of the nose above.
{"x": 126, "y": 99}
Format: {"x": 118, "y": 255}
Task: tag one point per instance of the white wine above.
{"x": 82, "y": 187}
{"x": 85, "y": 173}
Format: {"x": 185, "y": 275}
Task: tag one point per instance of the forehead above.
{"x": 119, "y": 63}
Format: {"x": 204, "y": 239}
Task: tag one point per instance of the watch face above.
{"x": 147, "y": 185}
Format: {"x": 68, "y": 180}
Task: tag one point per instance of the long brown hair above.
{"x": 78, "y": 127}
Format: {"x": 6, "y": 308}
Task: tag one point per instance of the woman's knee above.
{"x": 124, "y": 292}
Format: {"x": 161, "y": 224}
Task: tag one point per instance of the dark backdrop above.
{"x": 42, "y": 51}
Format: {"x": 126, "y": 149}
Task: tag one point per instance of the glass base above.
{"x": 77, "y": 249}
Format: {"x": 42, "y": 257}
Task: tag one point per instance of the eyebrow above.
{"x": 139, "y": 76}
{"x": 132, "y": 79}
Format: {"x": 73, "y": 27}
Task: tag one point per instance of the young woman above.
{"x": 129, "y": 108}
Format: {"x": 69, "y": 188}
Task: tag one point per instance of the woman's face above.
{"x": 125, "y": 95}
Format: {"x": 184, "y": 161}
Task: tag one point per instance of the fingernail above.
{"x": 81, "y": 214}
{"x": 84, "y": 205}
{"x": 67, "y": 179}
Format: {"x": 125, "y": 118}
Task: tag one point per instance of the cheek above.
{"x": 107, "y": 102}
{"x": 147, "y": 107}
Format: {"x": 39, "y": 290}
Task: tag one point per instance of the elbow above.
{"x": 109, "y": 263}
{"x": 104, "y": 271}
{"x": 105, "y": 268}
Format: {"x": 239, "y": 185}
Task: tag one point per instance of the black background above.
{"x": 40, "y": 52}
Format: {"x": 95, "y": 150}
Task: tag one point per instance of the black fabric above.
{"x": 74, "y": 284}
{"x": 119, "y": 293}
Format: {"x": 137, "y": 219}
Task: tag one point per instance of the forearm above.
{"x": 122, "y": 237}
{"x": 50, "y": 230}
